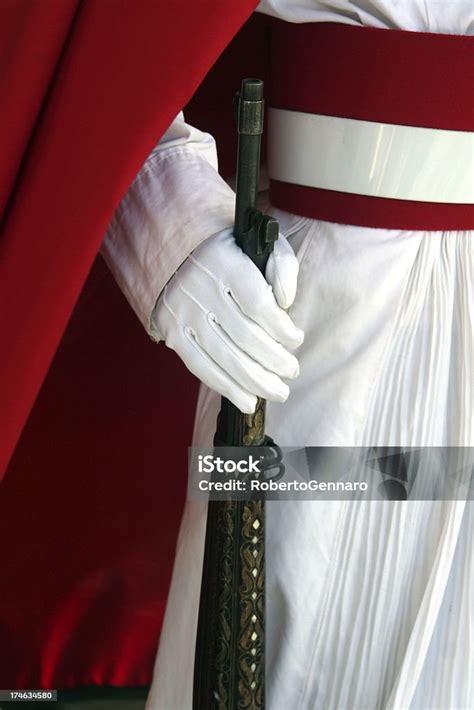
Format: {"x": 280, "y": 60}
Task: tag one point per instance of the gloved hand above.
{"x": 228, "y": 324}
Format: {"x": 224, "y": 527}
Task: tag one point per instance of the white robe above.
{"x": 369, "y": 605}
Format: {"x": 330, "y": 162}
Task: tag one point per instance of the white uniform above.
{"x": 369, "y": 605}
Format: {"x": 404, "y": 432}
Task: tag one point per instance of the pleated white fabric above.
{"x": 369, "y": 605}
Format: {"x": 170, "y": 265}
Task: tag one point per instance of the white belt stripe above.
{"x": 370, "y": 158}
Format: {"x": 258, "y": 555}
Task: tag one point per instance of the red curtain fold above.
{"x": 90, "y": 89}
{"x": 90, "y": 506}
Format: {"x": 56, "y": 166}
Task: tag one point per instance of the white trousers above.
{"x": 369, "y": 605}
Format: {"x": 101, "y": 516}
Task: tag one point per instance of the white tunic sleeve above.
{"x": 176, "y": 201}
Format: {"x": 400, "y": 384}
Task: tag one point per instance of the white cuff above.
{"x": 176, "y": 202}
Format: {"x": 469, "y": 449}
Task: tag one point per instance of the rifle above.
{"x": 229, "y": 670}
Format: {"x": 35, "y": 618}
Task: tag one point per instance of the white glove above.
{"x": 227, "y": 323}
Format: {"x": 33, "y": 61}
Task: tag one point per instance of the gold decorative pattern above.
{"x": 240, "y": 662}
{"x": 252, "y": 590}
{"x": 231, "y": 648}
{"x": 254, "y": 434}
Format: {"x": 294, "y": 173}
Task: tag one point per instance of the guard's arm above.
{"x": 168, "y": 246}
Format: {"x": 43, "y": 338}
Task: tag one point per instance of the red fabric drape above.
{"x": 32, "y": 36}
{"x": 90, "y": 506}
{"x": 91, "y": 503}
{"x": 92, "y": 89}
